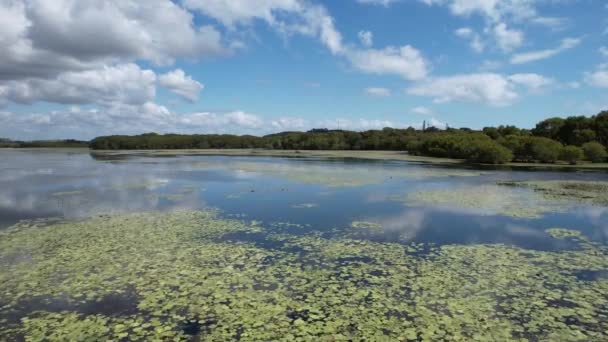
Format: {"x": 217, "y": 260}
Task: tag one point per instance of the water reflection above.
{"x": 318, "y": 194}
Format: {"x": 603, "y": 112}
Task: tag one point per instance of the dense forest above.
{"x": 68, "y": 143}
{"x": 570, "y": 140}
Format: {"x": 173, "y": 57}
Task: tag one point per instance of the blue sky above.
{"x": 82, "y": 68}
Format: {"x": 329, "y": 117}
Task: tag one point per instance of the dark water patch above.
{"x": 357, "y": 259}
{"x": 591, "y": 275}
{"x": 115, "y": 304}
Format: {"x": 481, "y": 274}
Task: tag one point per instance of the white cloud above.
{"x": 385, "y": 3}
{"x": 134, "y": 119}
{"x": 488, "y": 88}
{"x": 290, "y": 124}
{"x": 405, "y": 61}
{"x": 493, "y": 10}
{"x": 551, "y": 22}
{"x": 378, "y": 92}
{"x": 366, "y": 38}
{"x": 531, "y": 81}
{"x": 506, "y": 38}
{"x": 474, "y": 38}
{"x": 151, "y": 117}
{"x": 221, "y": 122}
{"x": 598, "y": 78}
{"x": 126, "y": 83}
{"x": 422, "y": 110}
{"x": 603, "y": 51}
{"x": 233, "y": 12}
{"x": 179, "y": 83}
{"x": 44, "y": 38}
{"x": 532, "y": 56}
{"x": 302, "y": 17}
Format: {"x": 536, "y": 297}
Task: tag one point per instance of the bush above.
{"x": 474, "y": 147}
{"x": 571, "y": 154}
{"x": 545, "y": 150}
{"x": 531, "y": 149}
{"x": 490, "y": 153}
{"x": 595, "y": 152}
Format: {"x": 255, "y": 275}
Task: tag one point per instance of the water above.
{"x": 74, "y": 184}
{"x": 314, "y": 196}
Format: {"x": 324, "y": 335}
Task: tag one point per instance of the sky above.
{"x": 85, "y": 68}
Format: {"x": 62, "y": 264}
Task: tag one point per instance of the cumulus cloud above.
{"x": 422, "y": 110}
{"x": 599, "y": 77}
{"x": 152, "y": 117}
{"x": 487, "y": 88}
{"x": 493, "y": 10}
{"x": 134, "y": 119}
{"x": 377, "y": 92}
{"x": 44, "y": 38}
{"x": 506, "y": 38}
{"x": 532, "y": 56}
{"x": 405, "y": 61}
{"x": 126, "y": 83}
{"x": 499, "y": 17}
{"x": 179, "y": 83}
{"x": 531, "y": 81}
{"x": 290, "y": 123}
{"x": 302, "y": 17}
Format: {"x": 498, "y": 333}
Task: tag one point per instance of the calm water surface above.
{"x": 321, "y": 194}
{"x": 315, "y": 195}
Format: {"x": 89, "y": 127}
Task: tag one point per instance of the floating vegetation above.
{"x": 366, "y": 225}
{"x": 489, "y": 200}
{"x": 178, "y": 279}
{"x": 594, "y": 193}
{"x": 562, "y": 233}
{"x": 305, "y": 206}
{"x": 338, "y": 175}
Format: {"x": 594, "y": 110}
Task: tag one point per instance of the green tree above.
{"x": 490, "y": 153}
{"x": 571, "y": 154}
{"x": 595, "y": 152}
{"x": 549, "y": 128}
{"x": 545, "y": 150}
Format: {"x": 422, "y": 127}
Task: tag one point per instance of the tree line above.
{"x": 67, "y": 143}
{"x": 570, "y": 140}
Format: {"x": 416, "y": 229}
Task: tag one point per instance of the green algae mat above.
{"x": 181, "y": 275}
{"x": 518, "y": 199}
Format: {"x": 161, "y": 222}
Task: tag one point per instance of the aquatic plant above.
{"x": 587, "y": 192}
{"x": 186, "y": 273}
{"x": 366, "y": 225}
{"x": 562, "y": 233}
{"x": 339, "y": 175}
{"x": 488, "y": 200}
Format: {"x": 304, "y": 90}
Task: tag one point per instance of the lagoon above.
{"x": 145, "y": 246}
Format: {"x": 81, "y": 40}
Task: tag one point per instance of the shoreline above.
{"x": 347, "y": 154}
{"x": 342, "y": 154}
